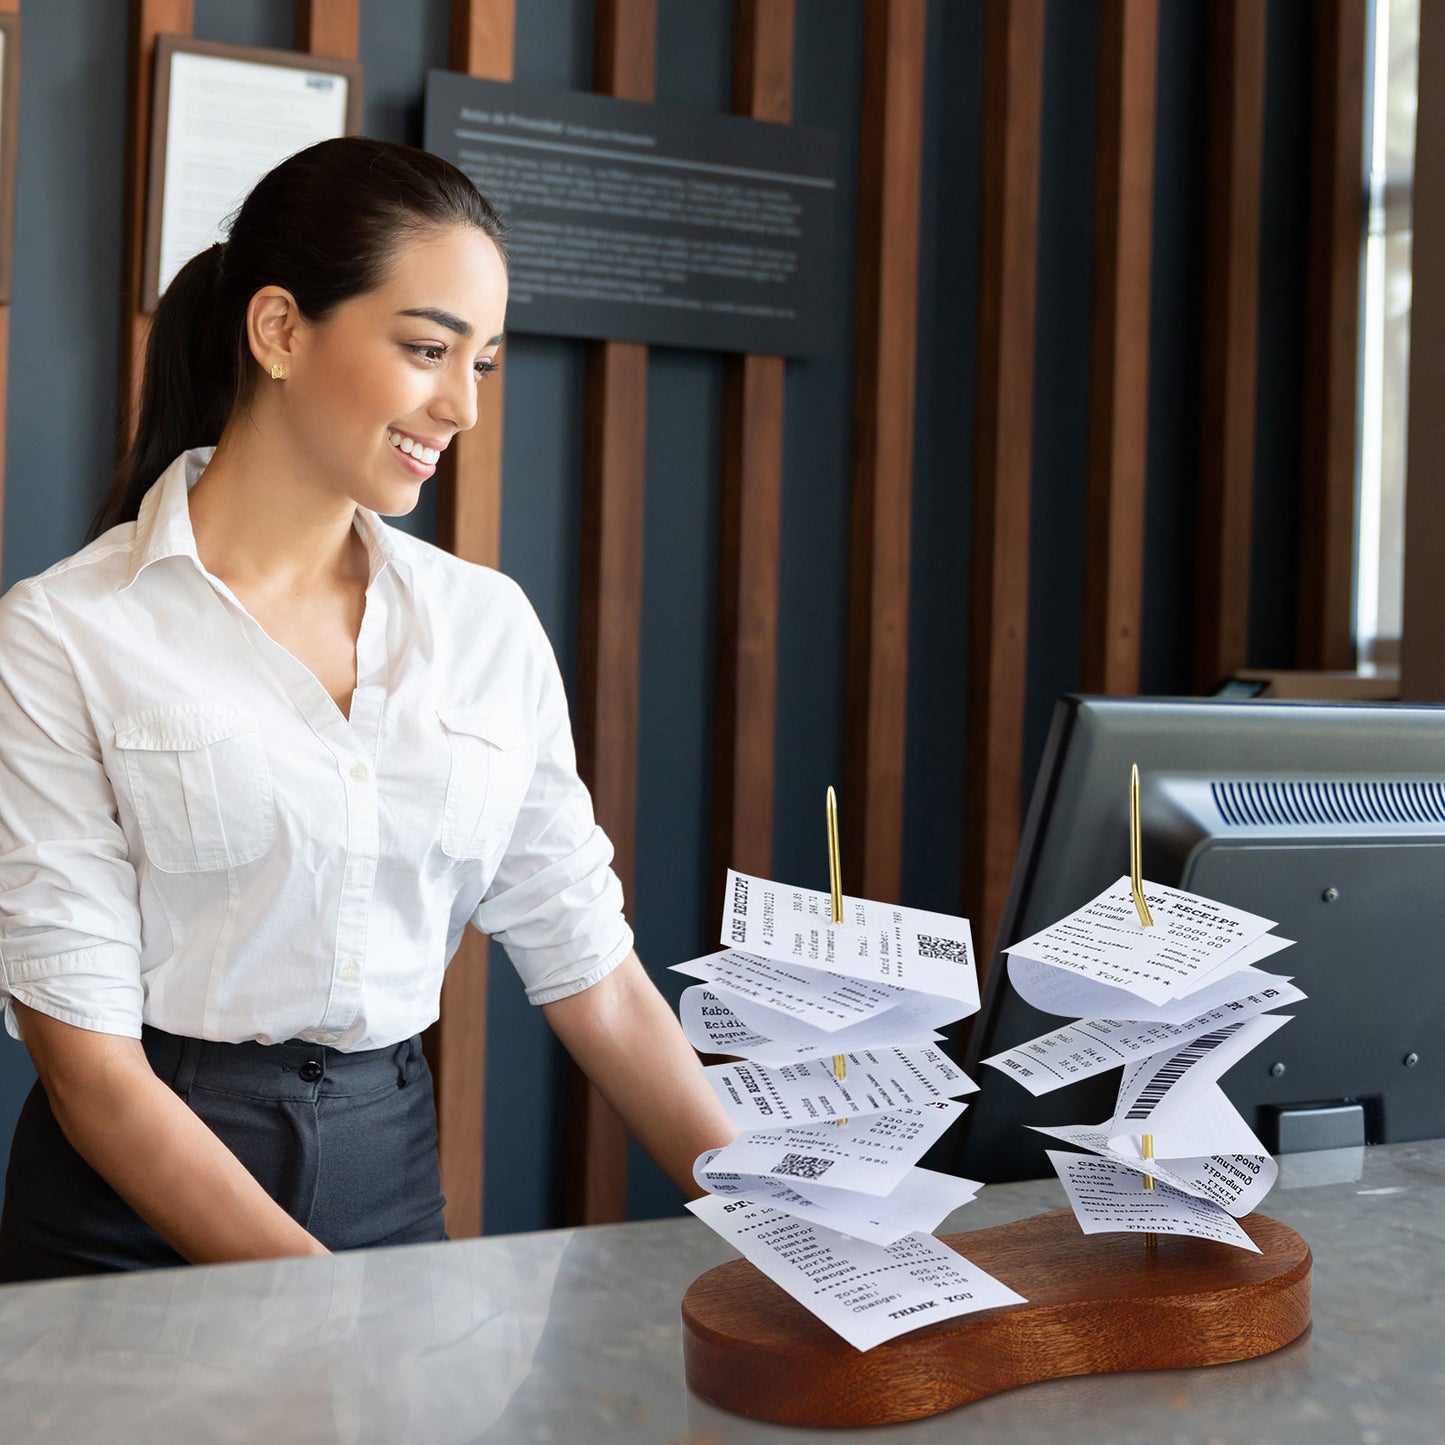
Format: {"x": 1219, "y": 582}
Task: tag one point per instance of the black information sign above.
{"x": 656, "y": 223}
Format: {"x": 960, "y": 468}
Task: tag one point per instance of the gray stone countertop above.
{"x": 574, "y": 1336}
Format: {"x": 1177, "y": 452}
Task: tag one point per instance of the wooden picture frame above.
{"x": 9, "y": 139}
{"x": 172, "y": 236}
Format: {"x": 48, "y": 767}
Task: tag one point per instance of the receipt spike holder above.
{"x": 1146, "y": 920}
{"x": 750, "y": 1348}
{"x": 835, "y": 888}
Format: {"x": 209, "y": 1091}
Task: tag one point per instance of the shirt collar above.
{"x": 163, "y": 527}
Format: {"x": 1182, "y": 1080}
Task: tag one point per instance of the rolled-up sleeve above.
{"x": 69, "y": 916}
{"x": 555, "y": 904}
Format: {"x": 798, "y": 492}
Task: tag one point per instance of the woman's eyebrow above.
{"x": 452, "y": 323}
{"x": 442, "y": 318}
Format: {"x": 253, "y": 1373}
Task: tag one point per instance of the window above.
{"x": 1385, "y": 342}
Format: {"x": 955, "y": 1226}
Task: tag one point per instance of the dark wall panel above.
{"x": 1283, "y": 223}
{"x": 943, "y": 457}
{"x": 1174, "y": 350}
{"x": 817, "y": 461}
{"x": 1061, "y": 369}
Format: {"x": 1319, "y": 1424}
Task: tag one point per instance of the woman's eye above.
{"x": 485, "y": 368}
{"x": 428, "y": 352}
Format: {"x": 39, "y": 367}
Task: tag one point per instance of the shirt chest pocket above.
{"x": 200, "y": 786}
{"x": 490, "y": 769}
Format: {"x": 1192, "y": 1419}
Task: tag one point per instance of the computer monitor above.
{"x": 1328, "y": 818}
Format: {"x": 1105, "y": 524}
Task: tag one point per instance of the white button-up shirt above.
{"x": 193, "y": 836}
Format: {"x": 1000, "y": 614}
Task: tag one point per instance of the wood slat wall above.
{"x": 149, "y": 18}
{"x": 7, "y": 7}
{"x": 889, "y": 186}
{"x": 750, "y": 515}
{"x": 331, "y": 28}
{"x": 1231, "y": 334}
{"x": 469, "y": 500}
{"x": 1002, "y": 460}
{"x": 1119, "y": 351}
{"x": 1325, "y": 624}
{"x": 610, "y": 624}
{"x": 469, "y": 524}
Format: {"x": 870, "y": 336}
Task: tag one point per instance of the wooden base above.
{"x": 1096, "y": 1302}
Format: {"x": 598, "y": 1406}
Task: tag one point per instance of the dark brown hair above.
{"x": 323, "y": 224}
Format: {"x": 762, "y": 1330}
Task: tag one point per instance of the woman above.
{"x": 264, "y": 757}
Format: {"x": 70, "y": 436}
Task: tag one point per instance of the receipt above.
{"x": 717, "y": 1021}
{"x": 810, "y": 1092}
{"x": 1093, "y": 1046}
{"x": 1158, "y": 1094}
{"x": 1104, "y": 942}
{"x": 1108, "y": 1197}
{"x": 921, "y": 1201}
{"x": 867, "y": 1293}
{"x": 1237, "y": 1182}
{"x": 813, "y": 996}
{"x": 907, "y": 947}
{"x": 871, "y": 1154}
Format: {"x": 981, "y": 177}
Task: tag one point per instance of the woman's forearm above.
{"x": 627, "y": 1040}
{"x": 154, "y": 1151}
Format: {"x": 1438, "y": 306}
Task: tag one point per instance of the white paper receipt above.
{"x": 717, "y": 1021}
{"x": 1108, "y": 1198}
{"x": 907, "y": 947}
{"x": 919, "y": 1204}
{"x": 871, "y": 1154}
{"x": 1093, "y": 1046}
{"x": 1105, "y": 941}
{"x": 811, "y": 1092}
{"x": 867, "y": 1293}
{"x": 824, "y": 1000}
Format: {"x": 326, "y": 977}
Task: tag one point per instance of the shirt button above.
{"x": 310, "y": 1071}
{"x": 351, "y": 972}
{"x": 360, "y": 773}
{"x": 325, "y": 1038}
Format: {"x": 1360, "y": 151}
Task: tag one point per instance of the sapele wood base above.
{"x": 1095, "y": 1303}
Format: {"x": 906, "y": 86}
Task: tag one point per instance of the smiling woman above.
{"x": 266, "y": 757}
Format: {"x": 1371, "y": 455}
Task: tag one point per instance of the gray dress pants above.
{"x": 346, "y": 1143}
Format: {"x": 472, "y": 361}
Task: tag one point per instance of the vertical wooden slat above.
{"x": 750, "y": 524}
{"x": 1231, "y": 323}
{"x": 469, "y": 496}
{"x": 469, "y": 525}
{"x": 1325, "y": 624}
{"x": 610, "y": 606}
{"x": 1119, "y": 349}
{"x": 1003, "y": 453}
{"x": 331, "y": 28}
{"x": 7, "y": 7}
{"x": 889, "y": 184}
{"x": 149, "y": 18}
{"x": 1422, "y": 639}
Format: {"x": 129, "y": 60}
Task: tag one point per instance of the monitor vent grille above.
{"x": 1329, "y": 804}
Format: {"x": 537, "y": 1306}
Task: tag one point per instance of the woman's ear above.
{"x": 272, "y": 321}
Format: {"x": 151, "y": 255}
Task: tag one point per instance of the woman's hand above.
{"x": 153, "y": 1150}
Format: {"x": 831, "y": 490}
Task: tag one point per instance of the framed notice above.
{"x": 223, "y": 116}
{"x": 658, "y": 223}
{"x": 9, "y": 125}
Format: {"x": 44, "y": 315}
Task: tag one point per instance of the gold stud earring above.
{"x": 278, "y": 371}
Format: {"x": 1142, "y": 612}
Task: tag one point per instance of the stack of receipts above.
{"x": 1176, "y": 1004}
{"x": 838, "y": 1087}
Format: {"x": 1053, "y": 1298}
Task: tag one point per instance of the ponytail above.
{"x": 323, "y": 225}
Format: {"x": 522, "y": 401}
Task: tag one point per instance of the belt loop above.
{"x": 186, "y": 1073}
